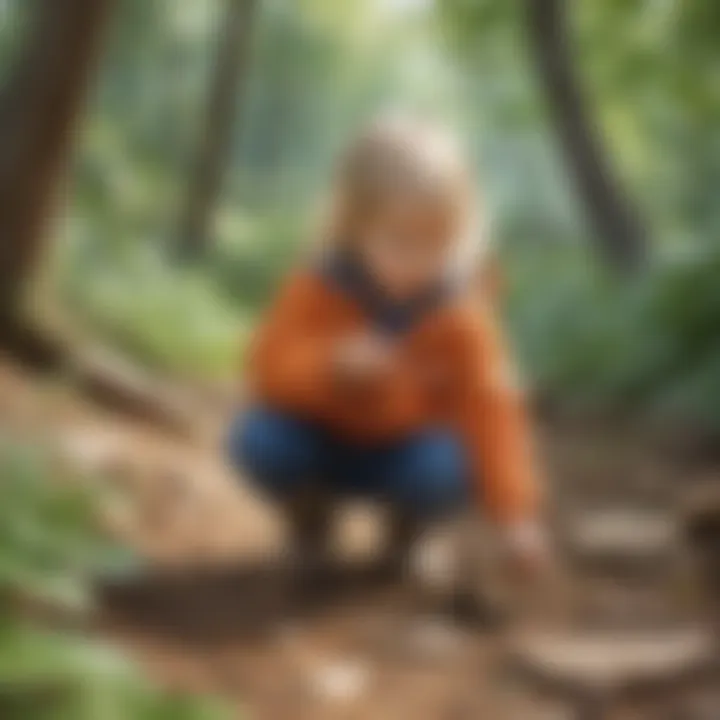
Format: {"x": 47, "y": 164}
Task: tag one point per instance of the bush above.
{"x": 49, "y": 545}
{"x": 647, "y": 344}
{"x": 168, "y": 317}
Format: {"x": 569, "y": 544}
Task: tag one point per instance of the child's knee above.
{"x": 273, "y": 448}
{"x": 434, "y": 477}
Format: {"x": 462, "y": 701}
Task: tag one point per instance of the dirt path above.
{"x": 212, "y": 610}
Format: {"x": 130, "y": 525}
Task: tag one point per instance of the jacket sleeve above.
{"x": 494, "y": 423}
{"x": 290, "y": 358}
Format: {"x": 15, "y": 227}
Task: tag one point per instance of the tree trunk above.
{"x": 39, "y": 112}
{"x": 214, "y": 151}
{"x": 619, "y": 233}
{"x": 39, "y": 109}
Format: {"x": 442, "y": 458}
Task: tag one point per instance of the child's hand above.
{"x": 528, "y": 551}
{"x": 362, "y": 357}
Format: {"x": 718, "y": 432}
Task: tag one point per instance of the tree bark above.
{"x": 618, "y": 230}
{"x": 215, "y": 148}
{"x": 39, "y": 109}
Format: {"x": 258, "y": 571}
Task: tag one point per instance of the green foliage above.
{"x": 49, "y": 544}
{"x": 191, "y": 321}
{"x": 599, "y": 341}
{"x": 168, "y": 317}
{"x": 48, "y": 541}
{"x": 53, "y": 676}
{"x": 14, "y": 20}
{"x": 253, "y": 254}
{"x": 648, "y": 73}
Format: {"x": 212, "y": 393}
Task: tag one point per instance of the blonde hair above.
{"x": 396, "y": 156}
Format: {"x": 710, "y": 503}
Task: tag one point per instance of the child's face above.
{"x": 406, "y": 246}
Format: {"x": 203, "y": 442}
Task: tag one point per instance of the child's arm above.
{"x": 494, "y": 423}
{"x": 292, "y": 357}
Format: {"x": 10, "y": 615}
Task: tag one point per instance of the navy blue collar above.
{"x": 392, "y": 318}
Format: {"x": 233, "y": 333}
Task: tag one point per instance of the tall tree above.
{"x": 618, "y": 230}
{"x": 230, "y": 73}
{"x": 39, "y": 110}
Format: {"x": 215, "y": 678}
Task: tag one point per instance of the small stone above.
{"x": 621, "y": 537}
{"x": 340, "y": 682}
{"x": 602, "y": 662}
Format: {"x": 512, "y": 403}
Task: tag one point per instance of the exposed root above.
{"x": 106, "y": 379}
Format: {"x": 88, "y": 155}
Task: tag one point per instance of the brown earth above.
{"x": 212, "y": 611}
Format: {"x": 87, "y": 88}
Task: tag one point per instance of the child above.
{"x": 379, "y": 373}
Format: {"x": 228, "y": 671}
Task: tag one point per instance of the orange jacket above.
{"x": 451, "y": 368}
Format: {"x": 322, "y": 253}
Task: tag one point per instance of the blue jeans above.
{"x": 425, "y": 475}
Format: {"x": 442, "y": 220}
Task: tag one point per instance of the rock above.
{"x": 634, "y": 606}
{"x": 602, "y": 663}
{"x": 621, "y": 538}
{"x": 340, "y": 682}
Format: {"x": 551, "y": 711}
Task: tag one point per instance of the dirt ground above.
{"x": 211, "y": 609}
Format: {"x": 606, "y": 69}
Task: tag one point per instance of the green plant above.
{"x": 646, "y": 346}
{"x": 49, "y": 546}
{"x": 169, "y": 318}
